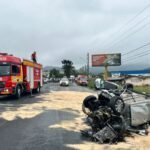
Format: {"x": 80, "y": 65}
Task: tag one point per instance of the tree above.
{"x": 54, "y": 73}
{"x": 68, "y": 67}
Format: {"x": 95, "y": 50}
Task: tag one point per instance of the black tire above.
{"x": 90, "y": 103}
{"x": 18, "y": 92}
{"x": 117, "y": 104}
{"x": 38, "y": 89}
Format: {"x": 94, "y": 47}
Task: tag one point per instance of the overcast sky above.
{"x": 68, "y": 29}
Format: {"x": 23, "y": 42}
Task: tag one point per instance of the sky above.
{"x": 69, "y": 29}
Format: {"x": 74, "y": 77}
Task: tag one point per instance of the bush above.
{"x": 91, "y": 83}
{"x": 142, "y": 89}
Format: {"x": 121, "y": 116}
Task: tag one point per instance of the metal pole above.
{"x": 88, "y": 64}
{"x": 106, "y": 72}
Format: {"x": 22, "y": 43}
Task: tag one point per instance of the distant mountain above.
{"x": 147, "y": 69}
{"x": 97, "y": 70}
{"x": 48, "y": 68}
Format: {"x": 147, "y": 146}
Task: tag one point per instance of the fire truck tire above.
{"x": 38, "y": 89}
{"x": 18, "y": 92}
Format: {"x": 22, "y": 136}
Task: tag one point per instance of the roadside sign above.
{"x": 106, "y": 60}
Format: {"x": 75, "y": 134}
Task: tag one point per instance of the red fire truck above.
{"x": 18, "y": 76}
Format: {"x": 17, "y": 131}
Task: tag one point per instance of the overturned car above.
{"x": 114, "y": 113}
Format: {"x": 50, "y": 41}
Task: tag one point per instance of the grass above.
{"x": 91, "y": 83}
{"x": 142, "y": 89}
{"x": 139, "y": 89}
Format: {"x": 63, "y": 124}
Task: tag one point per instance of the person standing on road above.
{"x": 33, "y": 56}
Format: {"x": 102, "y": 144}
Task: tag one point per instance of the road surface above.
{"x": 52, "y": 120}
{"x": 22, "y": 130}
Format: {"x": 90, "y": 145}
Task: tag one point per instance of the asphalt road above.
{"x": 71, "y": 87}
{"x": 33, "y": 133}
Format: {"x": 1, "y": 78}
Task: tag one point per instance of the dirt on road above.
{"x": 71, "y": 102}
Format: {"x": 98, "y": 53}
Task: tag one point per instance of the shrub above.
{"x": 91, "y": 83}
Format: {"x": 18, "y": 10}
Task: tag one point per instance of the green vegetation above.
{"x": 142, "y": 89}
{"x": 68, "y": 67}
{"x": 54, "y": 73}
{"x": 139, "y": 89}
{"x": 91, "y": 83}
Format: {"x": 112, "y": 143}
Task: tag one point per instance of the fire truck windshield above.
{"x": 4, "y": 69}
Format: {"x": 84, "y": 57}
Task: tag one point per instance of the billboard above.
{"x": 106, "y": 59}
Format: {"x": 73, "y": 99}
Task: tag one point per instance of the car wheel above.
{"x": 89, "y": 103}
{"x": 117, "y": 104}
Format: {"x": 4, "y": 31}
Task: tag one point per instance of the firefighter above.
{"x": 33, "y": 56}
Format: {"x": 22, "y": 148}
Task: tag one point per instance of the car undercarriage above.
{"x": 115, "y": 113}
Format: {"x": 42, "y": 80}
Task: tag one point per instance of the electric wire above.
{"x": 136, "y": 49}
{"x": 132, "y": 57}
{"x": 130, "y": 21}
{"x": 131, "y": 34}
{"x": 138, "y": 57}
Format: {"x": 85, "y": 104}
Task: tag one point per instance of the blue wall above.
{"x": 136, "y": 72}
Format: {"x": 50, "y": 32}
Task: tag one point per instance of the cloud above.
{"x": 67, "y": 28}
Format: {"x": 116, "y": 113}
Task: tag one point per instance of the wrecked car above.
{"x": 114, "y": 113}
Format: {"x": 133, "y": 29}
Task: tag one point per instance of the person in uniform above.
{"x": 33, "y": 56}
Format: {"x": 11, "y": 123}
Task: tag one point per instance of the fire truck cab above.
{"x": 18, "y": 76}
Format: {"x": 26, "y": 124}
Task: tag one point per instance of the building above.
{"x": 135, "y": 77}
{"x": 131, "y": 73}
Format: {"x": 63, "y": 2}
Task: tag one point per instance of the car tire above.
{"x": 88, "y": 103}
{"x": 117, "y": 104}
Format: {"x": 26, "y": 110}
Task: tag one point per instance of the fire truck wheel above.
{"x": 38, "y": 89}
{"x": 18, "y": 92}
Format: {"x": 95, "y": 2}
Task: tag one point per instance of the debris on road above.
{"x": 68, "y": 126}
{"x": 115, "y": 114}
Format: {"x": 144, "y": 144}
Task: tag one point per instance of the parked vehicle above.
{"x": 18, "y": 76}
{"x": 46, "y": 80}
{"x": 72, "y": 77}
{"x": 64, "y": 82}
{"x": 102, "y": 84}
{"x": 56, "y": 79}
{"x": 82, "y": 80}
{"x": 112, "y": 83}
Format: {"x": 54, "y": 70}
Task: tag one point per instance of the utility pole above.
{"x": 88, "y": 64}
{"x": 106, "y": 72}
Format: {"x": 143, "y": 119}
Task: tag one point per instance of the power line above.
{"x": 132, "y": 19}
{"x": 137, "y": 55}
{"x": 129, "y": 21}
{"x": 132, "y": 27}
{"x": 136, "y": 49}
{"x": 132, "y": 33}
